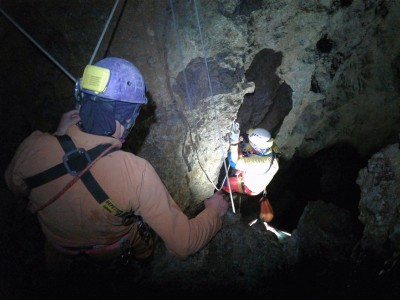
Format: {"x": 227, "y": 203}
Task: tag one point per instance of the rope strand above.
{"x": 37, "y": 45}
{"x": 104, "y": 31}
{"x": 179, "y": 46}
{"x": 212, "y": 101}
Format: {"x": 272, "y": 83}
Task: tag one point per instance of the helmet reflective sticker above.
{"x": 95, "y": 78}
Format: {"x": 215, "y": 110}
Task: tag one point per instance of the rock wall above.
{"x": 380, "y": 202}
{"x": 343, "y": 81}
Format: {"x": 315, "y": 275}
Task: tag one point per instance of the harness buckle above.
{"x": 76, "y": 160}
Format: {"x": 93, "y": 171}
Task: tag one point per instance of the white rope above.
{"x": 104, "y": 31}
{"x": 187, "y": 92}
{"x": 179, "y": 46}
{"x": 212, "y": 101}
{"x": 37, "y": 45}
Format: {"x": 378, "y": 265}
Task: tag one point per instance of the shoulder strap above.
{"x": 76, "y": 162}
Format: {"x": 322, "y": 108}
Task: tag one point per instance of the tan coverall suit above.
{"x": 77, "y": 220}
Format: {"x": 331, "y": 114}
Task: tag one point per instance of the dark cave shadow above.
{"x": 271, "y": 100}
{"x": 329, "y": 175}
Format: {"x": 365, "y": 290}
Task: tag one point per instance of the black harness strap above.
{"x": 74, "y": 161}
{"x": 90, "y": 182}
{"x": 60, "y": 169}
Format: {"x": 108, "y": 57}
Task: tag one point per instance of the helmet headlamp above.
{"x": 95, "y": 78}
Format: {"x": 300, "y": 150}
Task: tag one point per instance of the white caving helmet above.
{"x": 260, "y": 139}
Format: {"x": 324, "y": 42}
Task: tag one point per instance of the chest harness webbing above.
{"x": 74, "y": 161}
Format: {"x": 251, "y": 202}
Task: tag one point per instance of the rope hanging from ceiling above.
{"x": 216, "y": 115}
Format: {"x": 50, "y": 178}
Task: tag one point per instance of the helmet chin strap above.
{"x": 126, "y": 132}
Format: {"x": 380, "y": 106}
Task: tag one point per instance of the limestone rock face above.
{"x": 314, "y": 73}
{"x": 298, "y": 69}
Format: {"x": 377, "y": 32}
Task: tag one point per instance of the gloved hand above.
{"x": 235, "y": 133}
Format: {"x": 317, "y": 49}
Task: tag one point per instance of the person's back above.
{"x": 117, "y": 194}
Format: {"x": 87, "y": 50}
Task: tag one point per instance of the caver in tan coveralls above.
{"x": 77, "y": 220}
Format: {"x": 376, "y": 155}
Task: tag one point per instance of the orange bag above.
{"x": 266, "y": 211}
